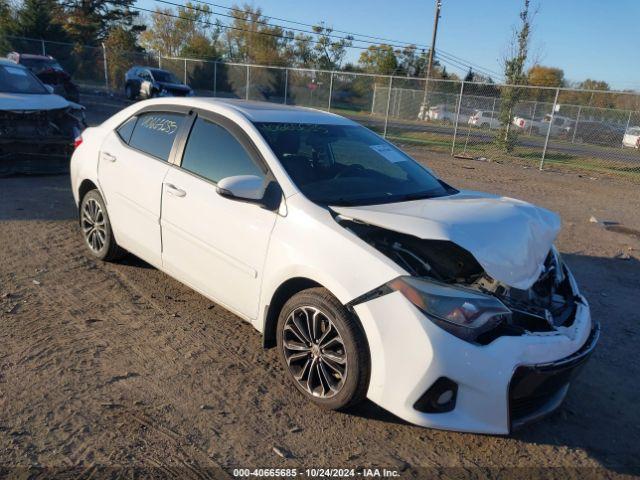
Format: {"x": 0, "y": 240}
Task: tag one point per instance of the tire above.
{"x": 96, "y": 228}
{"x": 332, "y": 385}
{"x": 128, "y": 91}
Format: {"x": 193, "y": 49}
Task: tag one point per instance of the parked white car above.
{"x": 441, "y": 113}
{"x": 484, "y": 119}
{"x": 374, "y": 278}
{"x": 632, "y": 137}
{"x": 561, "y": 125}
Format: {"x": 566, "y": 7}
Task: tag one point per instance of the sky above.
{"x": 595, "y": 39}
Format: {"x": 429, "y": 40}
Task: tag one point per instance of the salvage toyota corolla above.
{"x": 371, "y": 276}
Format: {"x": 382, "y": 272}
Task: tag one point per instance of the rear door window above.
{"x": 155, "y": 132}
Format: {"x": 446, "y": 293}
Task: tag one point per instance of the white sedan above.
{"x": 371, "y": 276}
{"x": 631, "y": 137}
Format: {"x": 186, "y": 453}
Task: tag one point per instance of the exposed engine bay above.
{"x": 547, "y": 306}
{"x": 38, "y": 141}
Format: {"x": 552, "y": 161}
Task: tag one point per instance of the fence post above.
{"x": 373, "y": 102}
{"x": 627, "y": 127}
{"x": 533, "y": 116}
{"x": 399, "y": 103}
{"x": 185, "y": 71}
{"x": 286, "y": 84}
{"x": 493, "y": 109}
{"x": 575, "y": 127}
{"x": 386, "y": 117}
{"x": 330, "y": 91}
{"x": 44, "y": 50}
{"x": 546, "y": 140}
{"x": 215, "y": 78}
{"x": 104, "y": 63}
{"x": 455, "y": 130}
{"x": 246, "y": 93}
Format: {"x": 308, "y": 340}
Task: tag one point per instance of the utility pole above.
{"x": 431, "y": 53}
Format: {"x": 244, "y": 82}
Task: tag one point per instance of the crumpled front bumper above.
{"x": 409, "y": 353}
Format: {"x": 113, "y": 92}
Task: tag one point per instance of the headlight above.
{"x": 463, "y": 312}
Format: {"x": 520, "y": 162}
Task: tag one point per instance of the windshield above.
{"x": 19, "y": 80}
{"x": 39, "y": 64}
{"x": 348, "y": 165}
{"x": 164, "y": 76}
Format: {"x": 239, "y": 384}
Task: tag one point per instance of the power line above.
{"x": 351, "y": 35}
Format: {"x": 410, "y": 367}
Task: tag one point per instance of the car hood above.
{"x": 509, "y": 238}
{"x": 30, "y": 101}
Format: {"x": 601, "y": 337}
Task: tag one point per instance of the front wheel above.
{"x": 128, "y": 91}
{"x": 323, "y": 349}
{"x": 96, "y": 228}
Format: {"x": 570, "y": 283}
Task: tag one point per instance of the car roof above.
{"x": 259, "y": 111}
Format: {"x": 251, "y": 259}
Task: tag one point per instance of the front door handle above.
{"x": 175, "y": 191}
{"x": 107, "y": 156}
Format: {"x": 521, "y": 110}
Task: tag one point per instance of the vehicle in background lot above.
{"x": 561, "y": 125}
{"x": 632, "y": 137}
{"x": 371, "y": 276}
{"x": 145, "y": 82}
{"x": 441, "y": 113}
{"x": 484, "y": 119}
{"x": 47, "y": 69}
{"x": 37, "y": 127}
{"x": 597, "y": 132}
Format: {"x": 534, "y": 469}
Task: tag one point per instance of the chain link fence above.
{"x": 560, "y": 128}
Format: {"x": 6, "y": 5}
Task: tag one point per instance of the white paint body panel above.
{"x": 215, "y": 244}
{"x": 238, "y": 254}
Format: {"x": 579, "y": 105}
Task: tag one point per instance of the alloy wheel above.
{"x": 314, "y": 351}
{"x": 94, "y": 225}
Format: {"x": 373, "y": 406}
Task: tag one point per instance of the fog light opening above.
{"x": 439, "y": 398}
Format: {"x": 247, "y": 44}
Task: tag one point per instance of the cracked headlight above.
{"x": 463, "y": 312}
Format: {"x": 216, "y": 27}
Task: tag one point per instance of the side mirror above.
{"x": 250, "y": 188}
{"x": 49, "y": 88}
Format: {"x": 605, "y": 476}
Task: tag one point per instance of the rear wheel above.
{"x": 96, "y": 228}
{"x": 323, "y": 349}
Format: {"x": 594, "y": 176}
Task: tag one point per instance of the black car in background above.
{"x": 50, "y": 72}
{"x": 145, "y": 82}
{"x": 598, "y": 133}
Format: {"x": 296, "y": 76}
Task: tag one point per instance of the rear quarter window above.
{"x": 155, "y": 132}
{"x": 126, "y": 129}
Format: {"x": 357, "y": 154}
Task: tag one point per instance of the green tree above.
{"x": 515, "y": 76}
{"x": 379, "y": 59}
{"x": 40, "y": 19}
{"x": 171, "y": 33}
{"x": 88, "y": 22}
{"x": 7, "y": 25}
{"x": 252, "y": 40}
{"x": 119, "y": 44}
{"x": 329, "y": 49}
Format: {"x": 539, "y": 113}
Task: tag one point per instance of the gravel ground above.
{"x": 116, "y": 368}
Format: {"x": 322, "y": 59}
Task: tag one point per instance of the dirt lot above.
{"x": 117, "y": 369}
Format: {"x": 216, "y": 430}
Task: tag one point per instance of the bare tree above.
{"x": 515, "y": 75}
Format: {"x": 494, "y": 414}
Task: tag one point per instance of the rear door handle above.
{"x": 107, "y": 156}
{"x": 175, "y": 191}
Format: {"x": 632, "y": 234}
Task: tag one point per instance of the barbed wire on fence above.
{"x": 591, "y": 130}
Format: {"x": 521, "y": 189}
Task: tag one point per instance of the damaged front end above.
{"x": 39, "y": 141}
{"x": 450, "y": 286}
